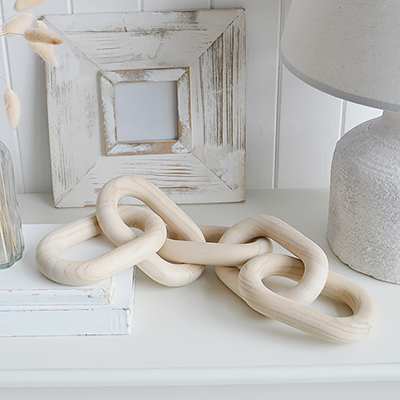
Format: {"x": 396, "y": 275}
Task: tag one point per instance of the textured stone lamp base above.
{"x": 364, "y": 207}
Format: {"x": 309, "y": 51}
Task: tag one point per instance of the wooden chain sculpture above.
{"x": 177, "y": 254}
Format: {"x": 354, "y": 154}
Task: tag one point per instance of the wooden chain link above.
{"x": 242, "y": 256}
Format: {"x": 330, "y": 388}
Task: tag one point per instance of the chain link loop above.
{"x": 242, "y": 256}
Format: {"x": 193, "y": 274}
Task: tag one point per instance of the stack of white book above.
{"x": 32, "y": 305}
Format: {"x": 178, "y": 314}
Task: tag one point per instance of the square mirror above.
{"x": 146, "y": 112}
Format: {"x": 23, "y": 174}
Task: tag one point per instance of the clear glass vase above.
{"x": 11, "y": 239}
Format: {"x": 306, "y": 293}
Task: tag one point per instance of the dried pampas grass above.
{"x": 17, "y": 25}
{"x": 42, "y": 35}
{"x": 23, "y": 5}
{"x": 12, "y": 107}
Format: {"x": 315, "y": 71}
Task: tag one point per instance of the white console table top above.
{"x": 202, "y": 334}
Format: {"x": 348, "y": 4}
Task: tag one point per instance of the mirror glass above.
{"x": 146, "y": 111}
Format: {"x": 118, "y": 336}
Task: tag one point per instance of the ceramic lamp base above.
{"x": 364, "y": 207}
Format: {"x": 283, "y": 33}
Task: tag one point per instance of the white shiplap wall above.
{"x": 291, "y": 128}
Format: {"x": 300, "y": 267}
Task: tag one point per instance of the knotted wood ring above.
{"x": 241, "y": 256}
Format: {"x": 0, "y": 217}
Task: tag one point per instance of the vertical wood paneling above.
{"x": 27, "y": 73}
{"x": 310, "y": 125}
{"x": 262, "y": 32}
{"x": 290, "y": 135}
{"x": 161, "y": 5}
{"x": 7, "y": 135}
{"x": 96, "y": 6}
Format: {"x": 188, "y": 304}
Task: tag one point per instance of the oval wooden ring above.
{"x": 315, "y": 261}
{"x": 273, "y": 305}
{"x": 212, "y": 252}
{"x": 68, "y": 272}
{"x": 161, "y": 271}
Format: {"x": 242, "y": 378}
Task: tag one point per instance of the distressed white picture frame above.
{"x": 204, "y": 51}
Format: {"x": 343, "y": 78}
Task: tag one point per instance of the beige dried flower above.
{"x": 42, "y": 35}
{"x": 13, "y": 109}
{"x": 41, "y": 24}
{"x": 45, "y": 51}
{"x": 23, "y": 5}
{"x": 17, "y": 26}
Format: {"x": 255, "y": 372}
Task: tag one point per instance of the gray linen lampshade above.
{"x": 347, "y": 48}
{"x": 351, "y": 50}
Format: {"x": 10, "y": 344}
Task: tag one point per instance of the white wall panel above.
{"x": 27, "y": 74}
{"x": 310, "y": 124}
{"x": 262, "y": 30}
{"x": 161, "y": 5}
{"x": 291, "y": 128}
{"x": 95, "y": 6}
{"x": 8, "y": 136}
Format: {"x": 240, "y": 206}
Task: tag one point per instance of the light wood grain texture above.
{"x": 24, "y": 285}
{"x": 207, "y": 165}
{"x": 207, "y": 309}
{"x": 119, "y": 233}
{"x": 247, "y": 242}
{"x": 314, "y": 259}
{"x": 113, "y": 221}
{"x": 212, "y": 252}
{"x": 32, "y": 305}
{"x": 335, "y": 329}
{"x": 52, "y": 265}
{"x": 262, "y": 34}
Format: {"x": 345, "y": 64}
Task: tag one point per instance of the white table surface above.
{"x": 201, "y": 340}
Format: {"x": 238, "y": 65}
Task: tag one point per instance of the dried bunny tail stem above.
{"x": 8, "y": 85}
{"x": 45, "y": 51}
{"x": 42, "y": 35}
{"x": 18, "y": 25}
{"x": 23, "y": 5}
{"x": 15, "y": 15}
{"x": 3, "y": 16}
{"x": 13, "y": 108}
